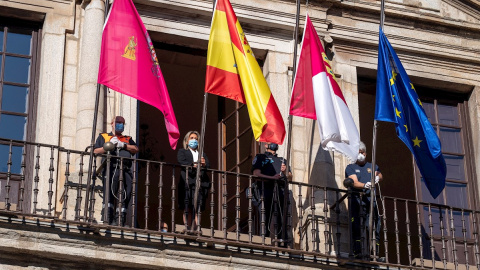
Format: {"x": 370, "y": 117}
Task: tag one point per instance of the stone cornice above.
{"x": 350, "y": 34}
{"x": 413, "y": 30}
{"x": 418, "y": 63}
{"x": 406, "y": 14}
{"x": 41, "y": 11}
{"x": 267, "y": 29}
{"x": 255, "y": 24}
{"x": 254, "y": 15}
{"x": 466, "y": 7}
{"x": 279, "y": 16}
{"x": 42, "y": 6}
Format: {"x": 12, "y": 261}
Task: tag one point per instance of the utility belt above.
{"x": 119, "y": 153}
{"x": 256, "y": 190}
{"x": 115, "y": 162}
{"x": 127, "y": 164}
{"x": 270, "y": 184}
{"x": 363, "y": 198}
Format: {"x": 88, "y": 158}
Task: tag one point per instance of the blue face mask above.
{"x": 193, "y": 144}
{"x": 119, "y": 127}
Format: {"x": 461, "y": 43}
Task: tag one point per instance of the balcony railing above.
{"x": 50, "y": 182}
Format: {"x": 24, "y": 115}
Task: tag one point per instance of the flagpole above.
{"x": 290, "y": 122}
{"x": 200, "y": 155}
{"x": 374, "y": 145}
{"x": 201, "y": 147}
{"x": 382, "y": 14}
{"x": 94, "y": 128}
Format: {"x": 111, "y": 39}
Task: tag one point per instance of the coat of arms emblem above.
{"x": 129, "y": 51}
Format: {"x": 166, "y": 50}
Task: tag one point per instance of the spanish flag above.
{"x": 233, "y": 72}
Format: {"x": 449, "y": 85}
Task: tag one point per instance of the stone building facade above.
{"x": 438, "y": 42}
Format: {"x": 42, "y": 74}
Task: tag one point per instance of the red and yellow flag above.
{"x": 233, "y": 72}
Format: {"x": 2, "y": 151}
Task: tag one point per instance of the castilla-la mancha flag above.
{"x": 129, "y": 65}
{"x": 317, "y": 95}
{"x": 234, "y": 73}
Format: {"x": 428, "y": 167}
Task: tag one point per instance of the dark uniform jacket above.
{"x": 185, "y": 157}
{"x": 363, "y": 173}
{"x": 268, "y": 164}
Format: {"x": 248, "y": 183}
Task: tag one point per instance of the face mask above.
{"x": 193, "y": 144}
{"x": 119, "y": 127}
{"x": 360, "y": 157}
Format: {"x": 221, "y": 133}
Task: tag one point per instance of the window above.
{"x": 18, "y": 79}
{"x": 238, "y": 150}
{"x": 446, "y": 119}
{"x": 449, "y": 119}
{"x": 17, "y": 59}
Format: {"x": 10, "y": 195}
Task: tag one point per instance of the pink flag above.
{"x": 316, "y": 95}
{"x": 129, "y": 65}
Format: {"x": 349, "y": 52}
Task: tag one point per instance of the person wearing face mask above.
{"x": 361, "y": 174}
{"x": 188, "y": 156}
{"x": 272, "y": 169}
{"x": 125, "y": 146}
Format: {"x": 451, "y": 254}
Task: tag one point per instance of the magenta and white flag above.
{"x": 129, "y": 65}
{"x": 316, "y": 95}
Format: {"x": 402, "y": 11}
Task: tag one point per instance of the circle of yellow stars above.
{"x": 416, "y": 141}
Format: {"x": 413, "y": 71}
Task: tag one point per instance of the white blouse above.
{"x": 195, "y": 155}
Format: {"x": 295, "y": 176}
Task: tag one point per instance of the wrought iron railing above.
{"x": 50, "y": 182}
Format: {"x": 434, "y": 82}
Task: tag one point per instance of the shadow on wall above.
{"x": 319, "y": 231}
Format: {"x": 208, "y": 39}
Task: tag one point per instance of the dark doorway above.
{"x": 392, "y": 156}
{"x": 184, "y": 71}
{"x": 229, "y": 143}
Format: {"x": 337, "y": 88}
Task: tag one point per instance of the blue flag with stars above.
{"x": 398, "y": 102}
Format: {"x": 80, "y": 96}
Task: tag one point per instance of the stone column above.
{"x": 92, "y": 27}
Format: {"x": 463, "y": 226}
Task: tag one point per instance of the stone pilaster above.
{"x": 49, "y": 103}
{"x": 275, "y": 71}
{"x": 474, "y": 115}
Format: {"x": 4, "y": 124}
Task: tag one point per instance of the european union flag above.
{"x": 398, "y": 102}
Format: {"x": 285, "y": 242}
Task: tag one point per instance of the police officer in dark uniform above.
{"x": 361, "y": 174}
{"x": 125, "y": 146}
{"x": 271, "y": 168}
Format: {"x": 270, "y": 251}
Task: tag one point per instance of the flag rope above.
{"x": 374, "y": 148}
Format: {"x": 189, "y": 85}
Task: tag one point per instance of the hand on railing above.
{"x": 367, "y": 185}
{"x": 348, "y": 183}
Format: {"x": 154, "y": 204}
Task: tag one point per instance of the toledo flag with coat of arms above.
{"x": 317, "y": 95}
{"x": 129, "y": 64}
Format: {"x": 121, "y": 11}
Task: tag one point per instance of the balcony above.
{"x": 49, "y": 207}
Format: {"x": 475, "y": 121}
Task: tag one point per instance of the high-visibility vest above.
{"x": 107, "y": 137}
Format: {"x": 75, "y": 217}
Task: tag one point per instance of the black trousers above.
{"x": 359, "y": 217}
{"x": 115, "y": 184}
{"x": 273, "y": 198}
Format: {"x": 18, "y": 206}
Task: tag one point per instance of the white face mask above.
{"x": 360, "y": 157}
